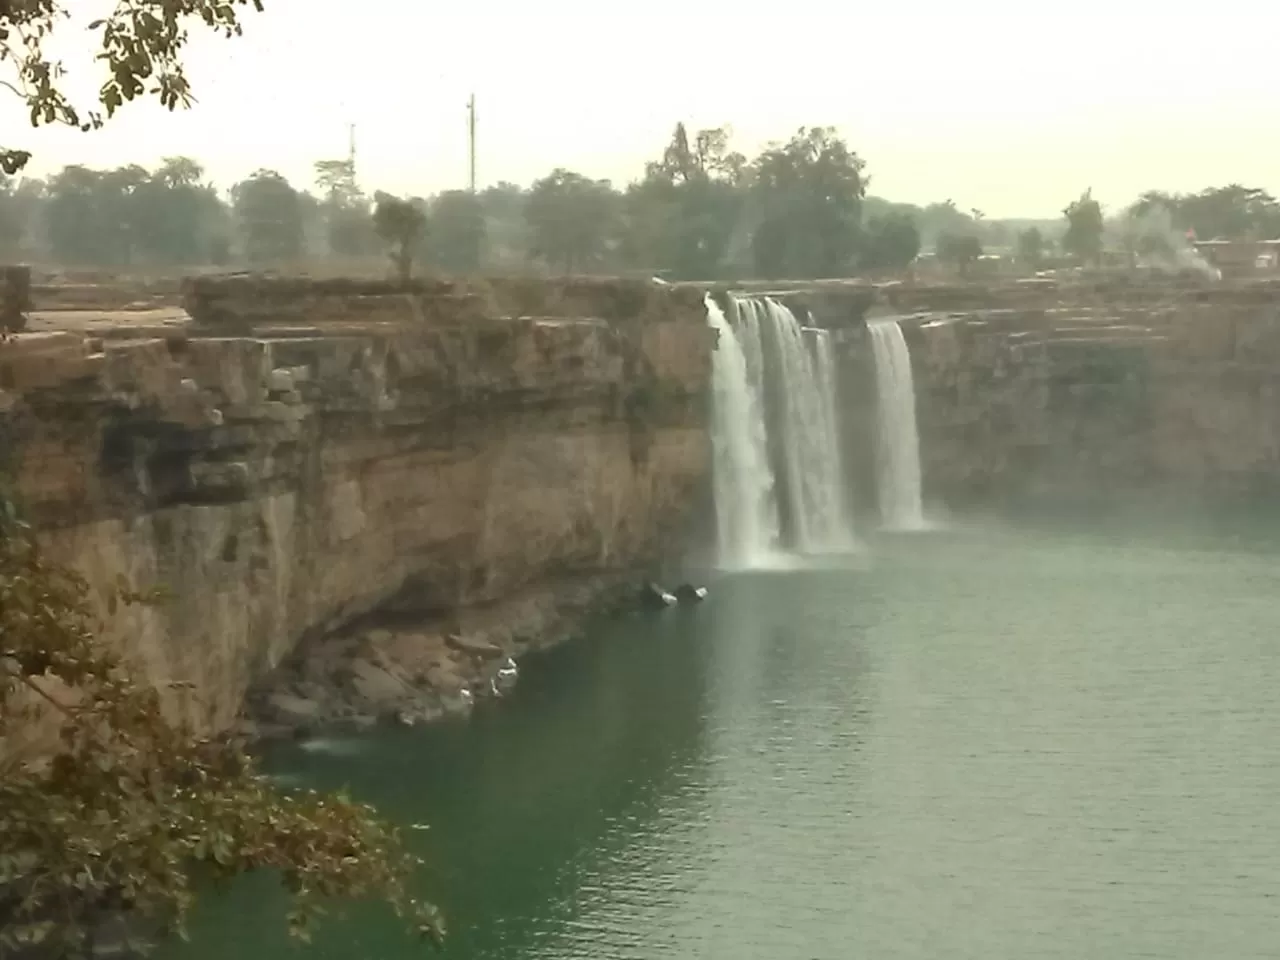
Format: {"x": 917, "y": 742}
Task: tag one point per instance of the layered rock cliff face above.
{"x": 301, "y": 455}
{"x": 1139, "y": 391}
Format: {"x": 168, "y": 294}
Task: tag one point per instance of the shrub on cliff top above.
{"x": 120, "y": 809}
{"x": 401, "y": 224}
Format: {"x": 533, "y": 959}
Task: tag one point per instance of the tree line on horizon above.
{"x": 700, "y": 210}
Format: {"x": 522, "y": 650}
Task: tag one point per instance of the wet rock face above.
{"x": 286, "y": 473}
{"x": 1161, "y": 393}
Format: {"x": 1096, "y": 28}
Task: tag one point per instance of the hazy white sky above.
{"x": 1003, "y": 109}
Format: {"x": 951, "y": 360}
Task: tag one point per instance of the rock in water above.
{"x": 655, "y": 597}
{"x": 506, "y": 676}
{"x": 688, "y": 593}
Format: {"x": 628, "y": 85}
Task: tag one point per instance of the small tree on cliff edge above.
{"x": 141, "y": 46}
{"x": 124, "y": 809}
{"x": 401, "y": 224}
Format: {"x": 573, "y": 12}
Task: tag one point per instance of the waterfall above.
{"x": 811, "y": 455}
{"x": 746, "y": 504}
{"x": 898, "y": 442}
{"x": 833, "y": 493}
{"x": 774, "y": 419}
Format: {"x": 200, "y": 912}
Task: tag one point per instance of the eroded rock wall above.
{"x": 397, "y": 450}
{"x": 1162, "y": 392}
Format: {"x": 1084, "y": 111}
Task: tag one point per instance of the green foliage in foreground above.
{"x": 122, "y": 809}
{"x": 140, "y": 48}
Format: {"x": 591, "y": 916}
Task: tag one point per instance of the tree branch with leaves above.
{"x": 123, "y": 810}
{"x": 141, "y": 43}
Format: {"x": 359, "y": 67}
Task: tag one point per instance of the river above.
{"x": 988, "y": 743}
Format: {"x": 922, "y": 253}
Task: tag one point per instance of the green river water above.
{"x": 988, "y": 743}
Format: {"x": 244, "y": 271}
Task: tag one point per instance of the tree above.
{"x": 681, "y": 218}
{"x": 401, "y": 224}
{"x": 123, "y": 809}
{"x": 457, "y": 231}
{"x": 961, "y": 251}
{"x": 807, "y": 195}
{"x": 506, "y": 230}
{"x": 1083, "y": 238}
{"x": 141, "y": 46}
{"x": 130, "y": 215}
{"x": 14, "y": 217}
{"x": 892, "y": 242}
{"x": 945, "y": 218}
{"x": 706, "y": 158}
{"x": 1233, "y": 212}
{"x": 91, "y": 215}
{"x": 176, "y": 216}
{"x": 571, "y": 219}
{"x": 348, "y": 226}
{"x": 270, "y": 215}
{"x": 1031, "y": 247}
{"x": 337, "y": 181}
{"x": 1153, "y": 200}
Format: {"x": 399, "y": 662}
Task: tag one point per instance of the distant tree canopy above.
{"x": 572, "y": 221}
{"x": 270, "y": 214}
{"x": 1233, "y": 212}
{"x": 457, "y": 230}
{"x": 958, "y": 250}
{"x": 700, "y": 210}
{"x": 806, "y": 196}
{"x": 1083, "y": 237}
{"x": 891, "y": 242}
{"x": 681, "y": 218}
{"x": 1031, "y": 246}
{"x": 348, "y": 227}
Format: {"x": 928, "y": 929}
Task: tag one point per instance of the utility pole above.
{"x": 351, "y": 149}
{"x": 471, "y": 136}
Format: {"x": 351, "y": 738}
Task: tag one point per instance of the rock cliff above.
{"x": 302, "y": 455}
{"x": 1122, "y": 391}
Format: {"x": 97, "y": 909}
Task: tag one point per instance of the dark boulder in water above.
{"x": 688, "y": 593}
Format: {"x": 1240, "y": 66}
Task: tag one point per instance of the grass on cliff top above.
{"x": 107, "y": 806}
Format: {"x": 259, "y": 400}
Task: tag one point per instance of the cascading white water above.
{"x": 745, "y": 315}
{"x": 835, "y": 491}
{"x": 746, "y": 503}
{"x": 770, "y": 374}
{"x": 898, "y": 439}
{"x": 811, "y": 454}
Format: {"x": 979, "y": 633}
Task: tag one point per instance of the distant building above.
{"x": 1268, "y": 255}
{"x": 1238, "y": 257}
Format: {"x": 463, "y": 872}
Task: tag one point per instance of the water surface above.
{"x": 983, "y": 743}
